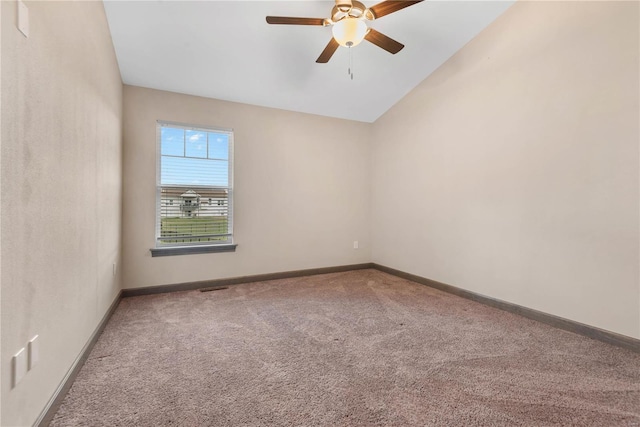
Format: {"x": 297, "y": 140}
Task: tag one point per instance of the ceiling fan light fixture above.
{"x": 349, "y": 32}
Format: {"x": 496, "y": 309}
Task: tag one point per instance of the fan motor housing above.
{"x": 358, "y": 10}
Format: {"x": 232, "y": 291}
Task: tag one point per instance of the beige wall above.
{"x": 301, "y": 189}
{"x": 512, "y": 171}
{"x": 61, "y": 191}
{"x": 0, "y": 204}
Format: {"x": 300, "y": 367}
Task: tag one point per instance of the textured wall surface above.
{"x": 512, "y": 171}
{"x": 61, "y": 191}
{"x": 301, "y": 193}
{"x": 0, "y": 201}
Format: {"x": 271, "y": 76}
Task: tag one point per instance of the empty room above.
{"x": 319, "y": 213}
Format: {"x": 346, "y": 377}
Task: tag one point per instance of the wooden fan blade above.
{"x": 328, "y": 51}
{"x": 380, "y": 40}
{"x": 390, "y": 6}
{"x": 289, "y": 20}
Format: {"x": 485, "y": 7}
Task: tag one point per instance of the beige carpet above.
{"x": 360, "y": 348}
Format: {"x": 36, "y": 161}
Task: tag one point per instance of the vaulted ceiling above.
{"x": 226, "y": 50}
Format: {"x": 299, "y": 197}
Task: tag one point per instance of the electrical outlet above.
{"x": 34, "y": 352}
{"x": 114, "y": 269}
{"x": 19, "y": 366}
{"x": 356, "y": 245}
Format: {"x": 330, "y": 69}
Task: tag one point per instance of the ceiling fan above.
{"x": 349, "y": 28}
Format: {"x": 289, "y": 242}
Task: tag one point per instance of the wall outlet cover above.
{"x": 23, "y": 18}
{"x": 34, "y": 352}
{"x": 19, "y": 366}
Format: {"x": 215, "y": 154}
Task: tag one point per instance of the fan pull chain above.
{"x": 350, "y": 64}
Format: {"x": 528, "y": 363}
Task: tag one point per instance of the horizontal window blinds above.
{"x": 194, "y": 186}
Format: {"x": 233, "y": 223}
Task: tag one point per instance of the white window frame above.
{"x": 192, "y": 247}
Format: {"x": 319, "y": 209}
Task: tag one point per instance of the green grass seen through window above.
{"x": 185, "y": 230}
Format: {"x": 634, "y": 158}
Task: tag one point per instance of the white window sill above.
{"x": 189, "y": 250}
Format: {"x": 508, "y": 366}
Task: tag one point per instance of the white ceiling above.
{"x": 226, "y": 50}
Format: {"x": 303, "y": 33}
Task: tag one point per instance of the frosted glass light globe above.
{"x": 349, "y": 32}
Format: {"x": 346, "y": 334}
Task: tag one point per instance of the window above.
{"x": 194, "y": 164}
